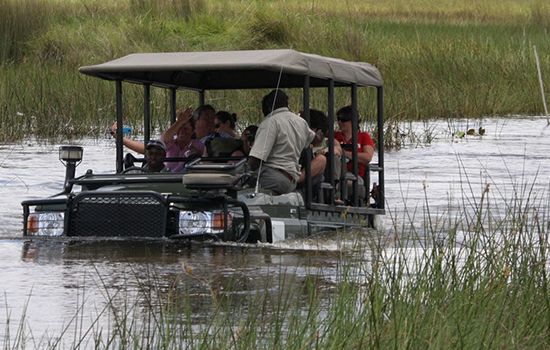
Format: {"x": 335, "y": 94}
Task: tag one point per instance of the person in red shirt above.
{"x": 365, "y": 144}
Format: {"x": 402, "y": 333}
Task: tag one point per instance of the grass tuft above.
{"x": 268, "y": 31}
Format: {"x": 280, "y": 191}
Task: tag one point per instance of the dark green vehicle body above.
{"x": 211, "y": 199}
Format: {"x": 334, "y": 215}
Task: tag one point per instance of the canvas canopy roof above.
{"x": 212, "y": 70}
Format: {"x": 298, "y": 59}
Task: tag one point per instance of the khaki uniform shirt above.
{"x": 280, "y": 139}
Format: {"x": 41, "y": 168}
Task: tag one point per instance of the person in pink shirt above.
{"x": 179, "y": 140}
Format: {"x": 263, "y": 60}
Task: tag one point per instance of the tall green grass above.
{"x": 20, "y": 21}
{"x": 444, "y": 60}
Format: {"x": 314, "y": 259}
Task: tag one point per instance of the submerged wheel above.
{"x": 256, "y": 233}
{"x": 241, "y": 233}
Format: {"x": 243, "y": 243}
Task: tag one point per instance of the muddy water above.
{"x": 48, "y": 283}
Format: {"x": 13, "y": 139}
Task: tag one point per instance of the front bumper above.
{"x": 137, "y": 214}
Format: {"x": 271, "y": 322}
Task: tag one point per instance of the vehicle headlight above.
{"x": 46, "y": 224}
{"x": 202, "y": 222}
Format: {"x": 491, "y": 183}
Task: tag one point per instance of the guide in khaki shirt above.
{"x": 280, "y": 139}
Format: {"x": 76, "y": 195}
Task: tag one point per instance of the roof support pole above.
{"x": 308, "y": 187}
{"x": 118, "y": 98}
{"x": 201, "y": 98}
{"x": 172, "y": 105}
{"x": 380, "y": 142}
{"x": 146, "y": 113}
{"x": 330, "y": 160}
{"x": 354, "y": 132}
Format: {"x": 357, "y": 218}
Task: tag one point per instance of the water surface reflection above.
{"x": 58, "y": 280}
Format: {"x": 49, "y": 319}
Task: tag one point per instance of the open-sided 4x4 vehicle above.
{"x": 210, "y": 200}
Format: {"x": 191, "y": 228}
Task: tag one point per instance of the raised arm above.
{"x": 135, "y": 146}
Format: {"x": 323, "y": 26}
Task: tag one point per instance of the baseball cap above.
{"x": 156, "y": 143}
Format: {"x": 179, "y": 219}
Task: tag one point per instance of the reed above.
{"x": 453, "y": 59}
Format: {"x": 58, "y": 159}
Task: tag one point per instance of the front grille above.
{"x": 114, "y": 214}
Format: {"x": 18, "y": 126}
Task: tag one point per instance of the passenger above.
{"x": 225, "y": 124}
{"x": 318, "y": 122}
{"x": 204, "y": 118}
{"x": 279, "y": 141}
{"x": 224, "y": 141}
{"x": 244, "y": 143}
{"x": 155, "y": 153}
{"x": 182, "y": 139}
{"x": 365, "y": 144}
{"x": 179, "y": 140}
{"x": 247, "y": 137}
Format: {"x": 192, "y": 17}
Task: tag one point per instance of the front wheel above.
{"x": 238, "y": 233}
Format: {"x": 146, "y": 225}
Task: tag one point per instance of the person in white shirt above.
{"x": 279, "y": 141}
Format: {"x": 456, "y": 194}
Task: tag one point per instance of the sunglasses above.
{"x": 343, "y": 120}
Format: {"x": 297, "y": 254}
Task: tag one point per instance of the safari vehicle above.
{"x": 210, "y": 199}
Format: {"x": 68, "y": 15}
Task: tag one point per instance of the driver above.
{"x": 155, "y": 153}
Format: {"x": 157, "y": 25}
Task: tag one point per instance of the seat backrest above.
{"x": 210, "y": 179}
{"x": 222, "y": 146}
